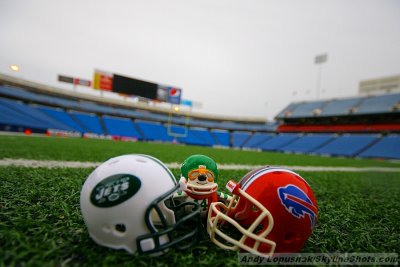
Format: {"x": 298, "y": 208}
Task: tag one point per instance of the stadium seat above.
{"x": 153, "y": 131}
{"x": 206, "y": 136}
{"x": 222, "y": 137}
{"x": 239, "y": 138}
{"x": 90, "y": 122}
{"x": 306, "y": 109}
{"x": 198, "y": 137}
{"x": 388, "y": 147}
{"x": 28, "y": 113}
{"x": 12, "y": 118}
{"x": 340, "y": 107}
{"x": 307, "y": 143}
{"x": 278, "y": 141}
{"x": 256, "y": 139}
{"x": 62, "y": 117}
{"x": 120, "y": 127}
{"x": 348, "y": 145}
{"x": 378, "y": 104}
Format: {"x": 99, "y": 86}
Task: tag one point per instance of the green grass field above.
{"x": 41, "y": 224}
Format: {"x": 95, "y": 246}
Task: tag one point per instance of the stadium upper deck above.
{"x": 23, "y": 107}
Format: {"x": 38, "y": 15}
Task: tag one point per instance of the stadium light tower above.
{"x": 319, "y": 60}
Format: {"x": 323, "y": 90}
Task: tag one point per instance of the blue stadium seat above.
{"x": 306, "y": 109}
{"x": 308, "y": 143}
{"x": 378, "y": 104}
{"x": 348, "y": 145}
{"x": 153, "y": 131}
{"x": 121, "y": 127}
{"x": 18, "y": 93}
{"x": 30, "y": 113}
{"x": 388, "y": 147}
{"x": 62, "y": 117}
{"x": 340, "y": 107}
{"x": 239, "y": 138}
{"x": 256, "y": 139}
{"x": 287, "y": 111}
{"x": 196, "y": 137}
{"x": 278, "y": 141}
{"x": 222, "y": 137}
{"x": 205, "y": 136}
{"x": 90, "y": 122}
{"x": 10, "y": 117}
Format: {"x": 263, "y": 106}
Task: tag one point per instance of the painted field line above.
{"x": 77, "y": 164}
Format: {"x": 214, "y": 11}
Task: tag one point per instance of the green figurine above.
{"x": 199, "y": 174}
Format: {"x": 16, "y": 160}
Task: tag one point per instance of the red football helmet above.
{"x": 273, "y": 210}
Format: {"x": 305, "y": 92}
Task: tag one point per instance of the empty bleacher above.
{"x": 340, "y": 107}
{"x": 388, "y": 147}
{"x": 306, "y": 109}
{"x": 196, "y": 137}
{"x": 27, "y": 113}
{"x": 222, "y": 137}
{"x": 239, "y": 138}
{"x": 256, "y": 139}
{"x": 307, "y": 143}
{"x": 62, "y": 117}
{"x": 378, "y": 104}
{"x": 278, "y": 141}
{"x": 13, "y": 120}
{"x": 120, "y": 127}
{"x": 308, "y": 127}
{"x": 153, "y": 131}
{"x": 205, "y": 136}
{"x": 348, "y": 145}
{"x": 89, "y": 122}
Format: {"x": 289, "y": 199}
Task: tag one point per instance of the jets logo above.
{"x": 114, "y": 190}
{"x": 297, "y": 203}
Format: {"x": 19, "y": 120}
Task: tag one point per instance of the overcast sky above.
{"x": 237, "y": 57}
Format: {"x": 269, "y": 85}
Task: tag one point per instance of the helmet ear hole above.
{"x": 289, "y": 237}
{"x": 120, "y": 227}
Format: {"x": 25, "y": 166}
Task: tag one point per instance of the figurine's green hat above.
{"x": 194, "y": 161}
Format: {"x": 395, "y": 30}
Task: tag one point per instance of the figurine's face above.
{"x": 201, "y": 176}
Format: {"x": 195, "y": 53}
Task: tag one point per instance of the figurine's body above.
{"x": 199, "y": 173}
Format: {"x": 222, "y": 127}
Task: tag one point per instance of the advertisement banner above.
{"x": 103, "y": 80}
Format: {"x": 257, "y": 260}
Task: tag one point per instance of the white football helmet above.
{"x": 127, "y": 203}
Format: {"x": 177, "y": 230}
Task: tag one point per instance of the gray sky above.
{"x": 236, "y": 57}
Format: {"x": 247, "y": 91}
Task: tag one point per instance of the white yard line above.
{"x": 174, "y": 165}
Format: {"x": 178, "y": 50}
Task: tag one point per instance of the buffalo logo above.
{"x": 297, "y": 203}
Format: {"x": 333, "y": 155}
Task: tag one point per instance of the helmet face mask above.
{"x": 127, "y": 203}
{"x": 251, "y": 238}
{"x": 273, "y": 211}
{"x": 183, "y": 232}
